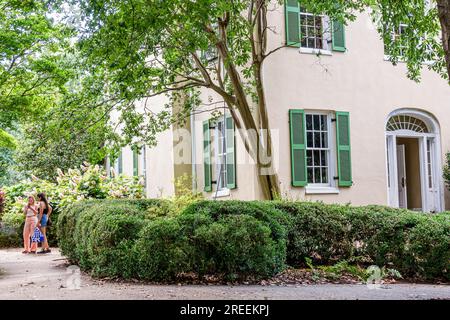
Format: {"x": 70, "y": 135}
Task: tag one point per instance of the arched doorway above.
{"x": 414, "y": 167}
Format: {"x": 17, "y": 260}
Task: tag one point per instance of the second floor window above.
{"x": 314, "y": 30}
{"x": 398, "y": 37}
{"x": 313, "y": 33}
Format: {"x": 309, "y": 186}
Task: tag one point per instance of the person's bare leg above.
{"x": 26, "y": 236}
{"x": 34, "y": 244}
{"x": 45, "y": 242}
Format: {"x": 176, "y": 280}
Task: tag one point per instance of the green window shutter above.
{"x": 135, "y": 163}
{"x": 343, "y": 149}
{"x": 292, "y": 17}
{"x": 338, "y": 33}
{"x": 298, "y": 147}
{"x": 207, "y": 167}
{"x": 231, "y": 153}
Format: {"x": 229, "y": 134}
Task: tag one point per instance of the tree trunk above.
{"x": 268, "y": 182}
{"x": 259, "y": 50}
{"x": 444, "y": 17}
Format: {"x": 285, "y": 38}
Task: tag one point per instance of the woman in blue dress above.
{"x": 45, "y": 210}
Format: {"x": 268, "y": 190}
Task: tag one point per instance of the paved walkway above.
{"x": 48, "y": 277}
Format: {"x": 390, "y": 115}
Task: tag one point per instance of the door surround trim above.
{"x": 391, "y": 159}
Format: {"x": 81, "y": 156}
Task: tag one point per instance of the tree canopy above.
{"x": 62, "y": 79}
{"x": 154, "y": 47}
{"x": 47, "y": 111}
{"x": 31, "y": 75}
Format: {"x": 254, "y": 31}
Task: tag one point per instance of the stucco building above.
{"x": 347, "y": 125}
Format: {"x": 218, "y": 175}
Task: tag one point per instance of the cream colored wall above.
{"x": 160, "y": 173}
{"x": 359, "y": 81}
{"x": 246, "y": 178}
{"x": 159, "y": 159}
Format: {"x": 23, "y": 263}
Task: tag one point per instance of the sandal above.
{"x": 33, "y": 252}
{"x": 25, "y": 252}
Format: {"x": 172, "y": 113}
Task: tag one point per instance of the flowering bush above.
{"x": 2, "y": 201}
{"x": 88, "y": 182}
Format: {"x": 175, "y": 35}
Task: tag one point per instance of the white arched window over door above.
{"x": 406, "y": 123}
{"x": 414, "y": 168}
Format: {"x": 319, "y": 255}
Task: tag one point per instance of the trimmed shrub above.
{"x": 237, "y": 246}
{"x": 73, "y": 224}
{"x": 315, "y": 231}
{"x": 272, "y": 218}
{"x": 66, "y": 225}
{"x": 164, "y": 250}
{"x": 10, "y": 240}
{"x": 145, "y": 239}
{"x": 429, "y": 248}
{"x": 9, "y": 237}
{"x": 124, "y": 238}
{"x": 416, "y": 244}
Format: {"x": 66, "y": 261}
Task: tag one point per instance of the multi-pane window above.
{"x": 221, "y": 157}
{"x": 406, "y": 122}
{"x": 317, "y": 149}
{"x": 401, "y": 30}
{"x": 135, "y": 162}
{"x": 313, "y": 30}
{"x": 118, "y": 167}
{"x": 429, "y": 165}
{"x": 388, "y": 163}
{"x": 397, "y": 37}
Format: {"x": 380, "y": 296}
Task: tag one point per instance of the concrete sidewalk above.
{"x": 48, "y": 277}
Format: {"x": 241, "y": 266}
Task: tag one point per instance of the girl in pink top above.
{"x": 31, "y": 221}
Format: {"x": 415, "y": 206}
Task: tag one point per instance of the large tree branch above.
{"x": 266, "y": 55}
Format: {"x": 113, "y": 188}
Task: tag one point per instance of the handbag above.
{"x": 37, "y": 235}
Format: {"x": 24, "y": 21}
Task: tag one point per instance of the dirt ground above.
{"x": 49, "y": 277}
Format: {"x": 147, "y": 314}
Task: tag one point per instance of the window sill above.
{"x": 221, "y": 194}
{"x": 321, "y": 190}
{"x": 319, "y": 52}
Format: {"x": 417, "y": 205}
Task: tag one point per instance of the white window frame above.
{"x": 428, "y": 6}
{"x": 395, "y": 33}
{"x": 326, "y": 36}
{"x": 143, "y": 166}
{"x": 220, "y": 191}
{"x": 331, "y": 186}
{"x": 118, "y": 164}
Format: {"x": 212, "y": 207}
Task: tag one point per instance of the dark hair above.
{"x": 42, "y": 197}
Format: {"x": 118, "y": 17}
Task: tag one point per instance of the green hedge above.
{"x": 127, "y": 239}
{"x": 235, "y": 239}
{"x": 416, "y": 244}
{"x": 274, "y": 220}
{"x": 77, "y": 224}
{"x": 10, "y": 240}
